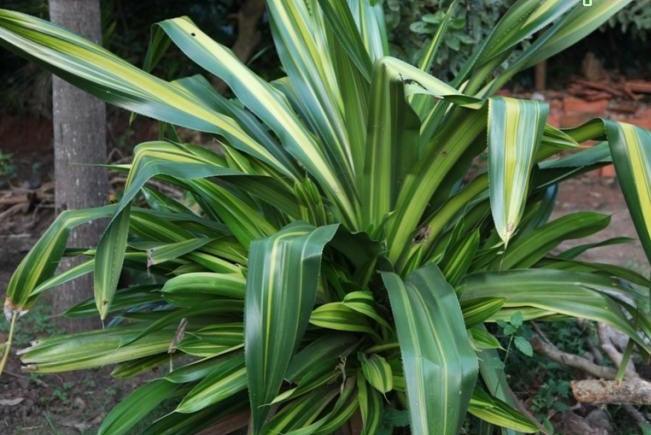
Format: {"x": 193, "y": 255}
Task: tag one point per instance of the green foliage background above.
{"x": 412, "y": 24}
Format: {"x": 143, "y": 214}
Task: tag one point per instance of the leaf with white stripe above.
{"x": 576, "y": 25}
{"x": 515, "y": 128}
{"x": 259, "y": 97}
{"x": 225, "y": 380}
{"x": 171, "y": 251}
{"x": 339, "y": 317}
{"x": 630, "y": 148}
{"x": 421, "y": 104}
{"x": 131, "y": 410}
{"x": 575, "y": 294}
{"x": 151, "y": 159}
{"x": 339, "y": 17}
{"x": 42, "y": 260}
{"x": 498, "y": 412}
{"x": 377, "y": 372}
{"x": 225, "y": 285}
{"x": 280, "y": 293}
{"x": 363, "y": 303}
{"x": 439, "y": 363}
{"x": 371, "y": 407}
{"x": 369, "y": 17}
{"x": 100, "y": 72}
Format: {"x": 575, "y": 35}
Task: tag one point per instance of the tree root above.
{"x": 633, "y": 390}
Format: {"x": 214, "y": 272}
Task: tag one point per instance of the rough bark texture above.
{"x": 79, "y": 122}
{"x": 595, "y": 391}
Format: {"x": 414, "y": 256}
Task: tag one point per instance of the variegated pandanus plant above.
{"x": 336, "y": 263}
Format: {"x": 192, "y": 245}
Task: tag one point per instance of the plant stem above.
{"x": 7, "y": 346}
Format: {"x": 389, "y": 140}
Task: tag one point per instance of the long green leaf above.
{"x": 225, "y": 380}
{"x": 629, "y": 148}
{"x": 93, "y": 349}
{"x": 369, "y": 18}
{"x": 126, "y": 414}
{"x": 600, "y": 268}
{"x": 339, "y": 317}
{"x": 338, "y": 15}
{"x": 576, "y": 25}
{"x": 110, "y": 78}
{"x": 574, "y": 294}
{"x": 228, "y": 285}
{"x": 125, "y": 299}
{"x": 497, "y": 412}
{"x": 363, "y": 303}
{"x": 392, "y": 146}
{"x": 260, "y": 98}
{"x": 321, "y": 352}
{"x": 377, "y": 372}
{"x": 370, "y": 407}
{"x": 423, "y": 105}
{"x": 527, "y": 250}
{"x": 42, "y": 260}
{"x": 171, "y": 251}
{"x": 631, "y": 151}
{"x": 74, "y": 272}
{"x": 211, "y": 341}
{"x": 150, "y": 159}
{"x": 280, "y": 293}
{"x": 435, "y": 350}
{"x": 302, "y": 46}
{"x": 218, "y": 418}
{"x": 515, "y": 128}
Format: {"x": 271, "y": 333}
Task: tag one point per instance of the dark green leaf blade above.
{"x": 435, "y": 350}
{"x": 280, "y": 294}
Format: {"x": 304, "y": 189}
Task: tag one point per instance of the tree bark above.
{"x": 595, "y": 391}
{"x": 555, "y": 354}
{"x": 540, "y": 76}
{"x": 79, "y": 124}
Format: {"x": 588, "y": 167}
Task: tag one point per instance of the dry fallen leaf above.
{"x": 11, "y": 402}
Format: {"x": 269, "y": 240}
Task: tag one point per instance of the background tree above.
{"x": 79, "y": 124}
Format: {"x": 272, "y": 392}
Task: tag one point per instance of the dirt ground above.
{"x": 602, "y": 194}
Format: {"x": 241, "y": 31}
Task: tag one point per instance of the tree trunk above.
{"x": 540, "y": 73}
{"x": 79, "y": 123}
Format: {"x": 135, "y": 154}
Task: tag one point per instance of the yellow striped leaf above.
{"x": 575, "y": 294}
{"x": 435, "y": 349}
{"x": 42, "y": 260}
{"x": 225, "y": 380}
{"x": 377, "y": 372}
{"x": 339, "y": 317}
{"x": 370, "y": 407}
{"x": 126, "y": 414}
{"x": 116, "y": 81}
{"x": 515, "y": 128}
{"x": 631, "y": 151}
{"x": 151, "y": 159}
{"x": 499, "y": 413}
{"x": 280, "y": 293}
{"x": 261, "y": 99}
